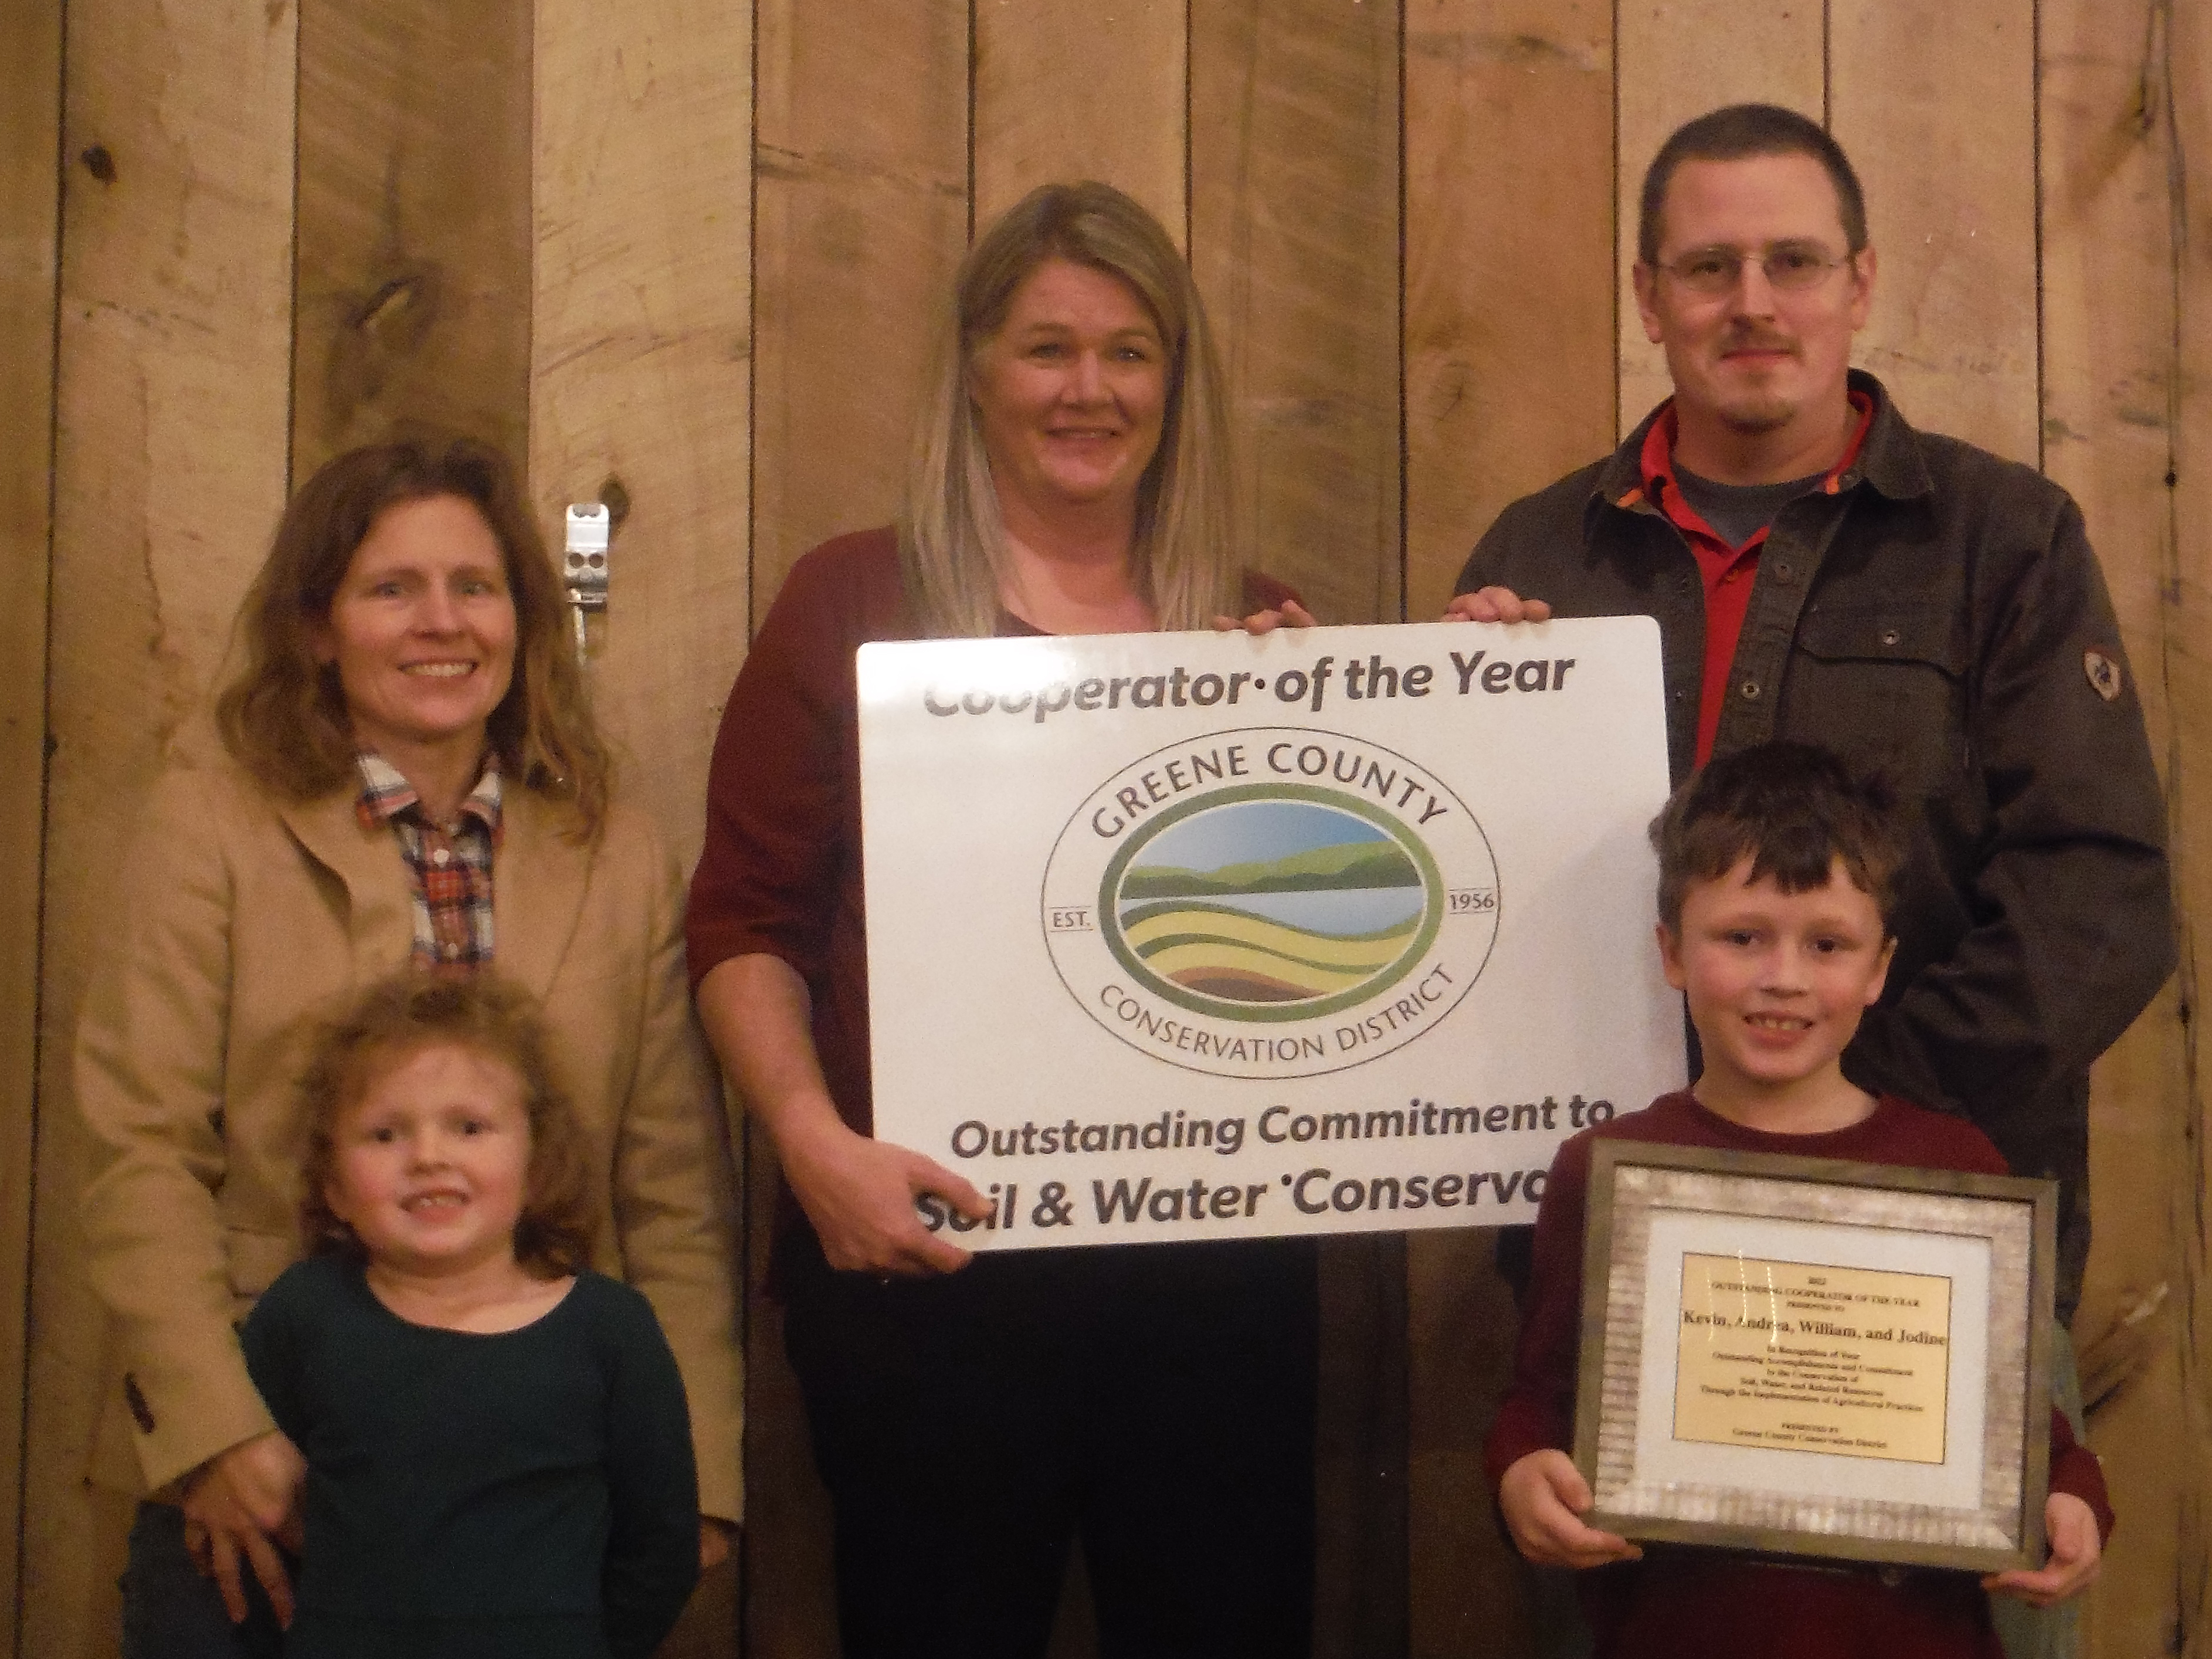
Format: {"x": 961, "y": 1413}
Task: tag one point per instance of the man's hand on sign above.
{"x": 859, "y": 1193}
{"x": 1543, "y": 1496}
{"x": 1495, "y": 604}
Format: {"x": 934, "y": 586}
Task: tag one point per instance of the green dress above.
{"x": 530, "y": 1493}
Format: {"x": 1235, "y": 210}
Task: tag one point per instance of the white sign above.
{"x": 1202, "y": 936}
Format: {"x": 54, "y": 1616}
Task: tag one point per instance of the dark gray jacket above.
{"x": 1942, "y": 616}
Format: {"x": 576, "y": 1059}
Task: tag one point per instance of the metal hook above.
{"x": 584, "y": 564}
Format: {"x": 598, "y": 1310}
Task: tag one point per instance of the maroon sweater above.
{"x": 781, "y": 872}
{"x": 1714, "y": 1604}
{"x": 780, "y": 875}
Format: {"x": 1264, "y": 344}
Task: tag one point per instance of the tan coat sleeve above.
{"x": 148, "y": 1079}
{"x": 675, "y": 1209}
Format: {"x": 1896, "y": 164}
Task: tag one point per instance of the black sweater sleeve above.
{"x": 652, "y": 1546}
{"x": 270, "y": 1338}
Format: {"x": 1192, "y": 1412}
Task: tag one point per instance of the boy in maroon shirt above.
{"x": 1777, "y": 868}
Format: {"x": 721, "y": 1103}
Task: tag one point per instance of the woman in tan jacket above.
{"x": 411, "y": 773}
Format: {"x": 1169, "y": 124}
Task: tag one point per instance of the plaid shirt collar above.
{"x": 385, "y": 793}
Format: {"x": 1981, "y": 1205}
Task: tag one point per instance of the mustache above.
{"x": 1757, "y": 339}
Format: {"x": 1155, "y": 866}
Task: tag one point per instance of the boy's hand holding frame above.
{"x": 1543, "y": 1498}
{"x": 2070, "y": 1527}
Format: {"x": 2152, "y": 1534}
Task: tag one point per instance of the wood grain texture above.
{"x": 1688, "y": 57}
{"x": 860, "y": 180}
{"x": 639, "y": 395}
{"x": 861, "y": 194}
{"x": 1294, "y": 242}
{"x": 1069, "y": 89}
{"x": 1953, "y": 333}
{"x": 30, "y": 232}
{"x": 1509, "y": 244}
{"x": 2117, "y": 414}
{"x": 1509, "y": 383}
{"x": 1468, "y": 1598}
{"x": 641, "y": 359}
{"x": 413, "y": 256}
{"x": 174, "y": 381}
{"x": 2184, "y": 92}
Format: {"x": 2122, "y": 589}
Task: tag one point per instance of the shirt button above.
{"x": 1890, "y": 636}
{"x": 449, "y": 951}
{"x": 441, "y": 857}
{"x": 1749, "y": 690}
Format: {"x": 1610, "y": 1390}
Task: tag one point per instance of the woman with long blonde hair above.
{"x": 1069, "y": 475}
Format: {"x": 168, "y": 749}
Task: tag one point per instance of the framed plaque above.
{"x": 1807, "y": 1357}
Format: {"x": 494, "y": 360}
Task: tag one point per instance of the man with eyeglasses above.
{"x": 1821, "y": 570}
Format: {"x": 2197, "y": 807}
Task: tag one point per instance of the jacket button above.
{"x": 1891, "y": 636}
{"x": 135, "y": 1397}
{"x": 1785, "y": 572}
{"x": 1750, "y": 690}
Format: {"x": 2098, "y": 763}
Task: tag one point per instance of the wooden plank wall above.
{"x": 172, "y": 397}
{"x": 2127, "y": 418}
{"x": 413, "y": 224}
{"x": 859, "y": 225}
{"x": 30, "y": 241}
{"x": 1776, "y": 54}
{"x": 687, "y": 255}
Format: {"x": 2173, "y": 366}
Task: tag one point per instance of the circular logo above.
{"x": 1271, "y": 902}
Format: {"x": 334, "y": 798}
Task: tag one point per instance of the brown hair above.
{"x": 1737, "y": 133}
{"x": 952, "y": 547}
{"x": 1793, "y": 809}
{"x": 401, "y": 1016}
{"x": 283, "y": 716}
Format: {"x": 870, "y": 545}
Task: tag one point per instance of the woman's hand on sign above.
{"x": 1289, "y": 614}
{"x": 1543, "y": 1496}
{"x": 2070, "y": 1528}
{"x": 859, "y": 1193}
{"x": 1497, "y": 605}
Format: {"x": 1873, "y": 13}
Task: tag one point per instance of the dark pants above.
{"x": 170, "y": 1612}
{"x": 1155, "y": 1400}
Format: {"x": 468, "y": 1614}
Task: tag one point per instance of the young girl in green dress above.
{"x": 499, "y": 1458}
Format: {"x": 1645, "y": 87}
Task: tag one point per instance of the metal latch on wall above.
{"x": 584, "y": 564}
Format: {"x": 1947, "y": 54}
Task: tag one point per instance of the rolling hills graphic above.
{"x": 1330, "y": 903}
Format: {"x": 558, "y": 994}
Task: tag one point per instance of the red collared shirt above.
{"x": 449, "y": 864}
{"x": 1728, "y": 571}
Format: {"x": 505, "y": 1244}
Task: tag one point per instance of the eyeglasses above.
{"x": 1788, "y": 265}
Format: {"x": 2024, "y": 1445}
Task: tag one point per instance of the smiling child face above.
{"x": 432, "y": 1161}
{"x": 1776, "y": 982}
